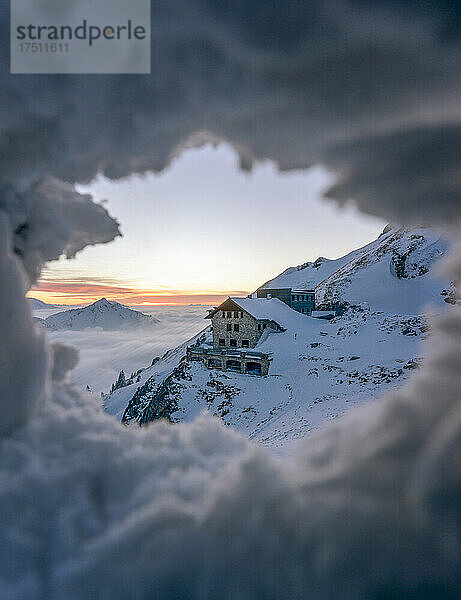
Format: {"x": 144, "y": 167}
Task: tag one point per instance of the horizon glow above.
{"x": 203, "y": 230}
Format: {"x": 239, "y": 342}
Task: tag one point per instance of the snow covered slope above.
{"x": 102, "y": 313}
{"x": 390, "y": 273}
{"x": 309, "y": 274}
{"x": 319, "y": 369}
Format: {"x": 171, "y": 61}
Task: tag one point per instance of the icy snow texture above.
{"x": 371, "y": 507}
{"x": 65, "y": 358}
{"x": 50, "y": 219}
{"x": 23, "y": 358}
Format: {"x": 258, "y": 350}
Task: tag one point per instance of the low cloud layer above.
{"x": 371, "y": 505}
{"x": 104, "y": 353}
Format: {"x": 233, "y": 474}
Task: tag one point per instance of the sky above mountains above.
{"x": 203, "y": 230}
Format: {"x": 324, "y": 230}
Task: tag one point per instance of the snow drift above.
{"x": 370, "y": 508}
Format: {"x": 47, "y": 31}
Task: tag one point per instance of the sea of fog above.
{"x": 104, "y": 353}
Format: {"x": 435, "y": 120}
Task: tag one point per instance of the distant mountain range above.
{"x": 106, "y": 314}
{"x": 37, "y": 304}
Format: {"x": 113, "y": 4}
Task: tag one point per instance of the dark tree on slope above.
{"x": 154, "y": 401}
{"x": 151, "y": 402}
{"x": 121, "y": 382}
{"x": 162, "y": 406}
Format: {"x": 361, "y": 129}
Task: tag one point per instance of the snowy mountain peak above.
{"x": 103, "y": 313}
{"x": 103, "y": 302}
{"x": 377, "y": 274}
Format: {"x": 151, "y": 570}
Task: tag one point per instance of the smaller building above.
{"x": 283, "y": 294}
{"x": 302, "y": 301}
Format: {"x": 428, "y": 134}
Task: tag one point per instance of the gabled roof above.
{"x": 265, "y": 309}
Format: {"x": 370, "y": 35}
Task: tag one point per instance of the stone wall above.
{"x": 241, "y": 361}
{"x": 247, "y": 325}
{"x": 245, "y": 363}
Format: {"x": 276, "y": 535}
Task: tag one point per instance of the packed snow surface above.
{"x": 318, "y": 370}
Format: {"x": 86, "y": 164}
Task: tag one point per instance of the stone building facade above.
{"x": 237, "y": 328}
{"x": 240, "y": 361}
{"x": 238, "y": 325}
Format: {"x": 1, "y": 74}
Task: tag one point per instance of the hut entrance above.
{"x": 234, "y": 365}
{"x": 253, "y": 368}
{"x": 214, "y": 363}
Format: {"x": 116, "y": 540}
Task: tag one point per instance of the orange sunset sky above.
{"x": 203, "y": 230}
{"x": 78, "y": 291}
